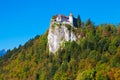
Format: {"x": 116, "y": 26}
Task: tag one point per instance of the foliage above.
{"x": 79, "y": 22}
{"x": 94, "y": 56}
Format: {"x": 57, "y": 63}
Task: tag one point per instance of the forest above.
{"x": 95, "y": 56}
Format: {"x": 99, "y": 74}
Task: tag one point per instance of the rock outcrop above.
{"x": 58, "y": 33}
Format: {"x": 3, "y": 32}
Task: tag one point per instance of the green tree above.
{"x": 88, "y": 22}
{"x": 112, "y": 49}
{"x": 88, "y": 75}
{"x": 115, "y": 61}
{"x": 79, "y": 22}
{"x": 101, "y": 76}
{"x": 94, "y": 55}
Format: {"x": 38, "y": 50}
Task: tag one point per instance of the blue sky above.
{"x": 21, "y": 20}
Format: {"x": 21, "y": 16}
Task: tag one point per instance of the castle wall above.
{"x": 71, "y": 19}
{"x": 65, "y": 20}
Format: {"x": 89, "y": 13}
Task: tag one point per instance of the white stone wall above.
{"x": 58, "y": 19}
{"x": 71, "y": 19}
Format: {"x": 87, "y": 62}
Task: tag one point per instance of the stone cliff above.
{"x": 59, "y": 33}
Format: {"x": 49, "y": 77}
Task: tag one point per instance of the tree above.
{"x": 79, "y": 22}
{"x": 101, "y": 76}
{"x": 104, "y": 44}
{"x": 94, "y": 55}
{"x": 87, "y": 75}
{"x": 117, "y": 75}
{"x": 88, "y": 22}
{"x": 112, "y": 49}
{"x": 118, "y": 29}
{"x": 115, "y": 61}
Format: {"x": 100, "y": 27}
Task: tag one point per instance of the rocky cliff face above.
{"x": 58, "y": 33}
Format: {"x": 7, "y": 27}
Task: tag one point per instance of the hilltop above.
{"x": 69, "y": 50}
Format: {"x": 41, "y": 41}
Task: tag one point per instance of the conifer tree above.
{"x": 79, "y": 21}
{"x": 88, "y": 22}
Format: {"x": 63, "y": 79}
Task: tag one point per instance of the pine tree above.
{"x": 79, "y": 21}
{"x": 88, "y": 22}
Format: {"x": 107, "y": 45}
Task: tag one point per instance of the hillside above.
{"x": 93, "y": 55}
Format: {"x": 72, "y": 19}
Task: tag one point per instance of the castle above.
{"x": 59, "y": 32}
{"x": 64, "y": 19}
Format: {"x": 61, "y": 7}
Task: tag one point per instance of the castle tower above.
{"x": 71, "y": 18}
